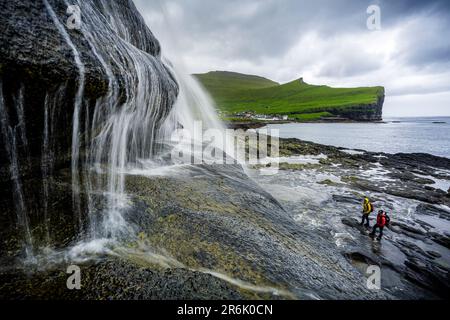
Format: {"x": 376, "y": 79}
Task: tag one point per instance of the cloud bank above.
{"x": 326, "y": 42}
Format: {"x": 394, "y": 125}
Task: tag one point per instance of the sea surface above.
{"x": 394, "y": 135}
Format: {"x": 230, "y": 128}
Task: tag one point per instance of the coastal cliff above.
{"x": 365, "y": 112}
{"x": 245, "y": 97}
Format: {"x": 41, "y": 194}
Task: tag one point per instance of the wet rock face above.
{"x": 370, "y": 112}
{"x": 414, "y": 252}
{"x": 116, "y": 279}
{"x": 214, "y": 218}
{"x": 206, "y": 232}
{"x": 48, "y": 70}
{"x": 36, "y": 61}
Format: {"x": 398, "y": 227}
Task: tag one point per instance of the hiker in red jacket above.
{"x": 382, "y": 221}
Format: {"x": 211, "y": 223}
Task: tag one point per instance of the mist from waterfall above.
{"x": 194, "y": 111}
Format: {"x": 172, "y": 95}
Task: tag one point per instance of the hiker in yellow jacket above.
{"x": 367, "y": 210}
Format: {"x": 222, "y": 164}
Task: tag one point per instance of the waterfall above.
{"x": 114, "y": 134}
{"x": 10, "y": 142}
{"x": 19, "y": 102}
{"x": 193, "y": 104}
{"x": 77, "y": 107}
{"x": 194, "y": 110}
{"x": 46, "y": 163}
{"x": 127, "y": 131}
{"x": 125, "y": 128}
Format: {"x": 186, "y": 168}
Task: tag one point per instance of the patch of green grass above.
{"x": 234, "y": 93}
{"x": 224, "y": 84}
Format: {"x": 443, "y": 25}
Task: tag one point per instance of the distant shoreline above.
{"x": 246, "y": 125}
{"x": 255, "y": 124}
{"x": 391, "y": 135}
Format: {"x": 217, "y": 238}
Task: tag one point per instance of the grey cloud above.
{"x": 265, "y": 37}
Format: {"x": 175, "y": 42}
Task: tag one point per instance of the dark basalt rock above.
{"x": 429, "y": 276}
{"x": 204, "y": 219}
{"x": 214, "y": 217}
{"x": 412, "y": 253}
{"x": 40, "y": 80}
{"x": 369, "y": 112}
{"x": 408, "y": 228}
{"x": 245, "y": 125}
{"x": 39, "y": 84}
{"x": 443, "y": 240}
{"x": 352, "y": 222}
{"x": 346, "y": 199}
{"x": 116, "y": 279}
{"x": 35, "y": 58}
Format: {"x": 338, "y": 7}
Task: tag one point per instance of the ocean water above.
{"x": 395, "y": 135}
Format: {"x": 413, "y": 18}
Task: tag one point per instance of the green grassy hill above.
{"x": 235, "y": 93}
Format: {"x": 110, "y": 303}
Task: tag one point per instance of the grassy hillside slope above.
{"x": 235, "y": 93}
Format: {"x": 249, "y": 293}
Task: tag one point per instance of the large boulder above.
{"x": 59, "y": 82}
{"x": 38, "y": 65}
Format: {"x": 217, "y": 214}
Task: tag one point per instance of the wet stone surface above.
{"x": 327, "y": 199}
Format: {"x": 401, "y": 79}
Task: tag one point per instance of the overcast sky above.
{"x": 326, "y": 42}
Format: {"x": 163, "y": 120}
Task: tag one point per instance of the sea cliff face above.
{"x": 369, "y": 112}
{"x": 245, "y": 97}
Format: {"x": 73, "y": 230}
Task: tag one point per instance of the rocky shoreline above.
{"x": 210, "y": 232}
{"x": 412, "y": 188}
{"x": 247, "y": 125}
{"x": 192, "y": 231}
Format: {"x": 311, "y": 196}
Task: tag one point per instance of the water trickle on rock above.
{"x": 122, "y": 130}
{"x": 10, "y": 142}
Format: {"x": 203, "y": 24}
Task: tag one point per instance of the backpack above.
{"x": 368, "y": 208}
{"x": 388, "y": 219}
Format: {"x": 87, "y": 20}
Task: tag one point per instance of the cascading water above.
{"x": 46, "y": 163}
{"x": 123, "y": 130}
{"x": 52, "y": 104}
{"x": 126, "y": 126}
{"x": 9, "y": 138}
{"x": 127, "y": 137}
{"x": 194, "y": 112}
{"x": 76, "y": 115}
{"x": 19, "y": 102}
{"x": 126, "y": 129}
{"x": 192, "y": 105}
